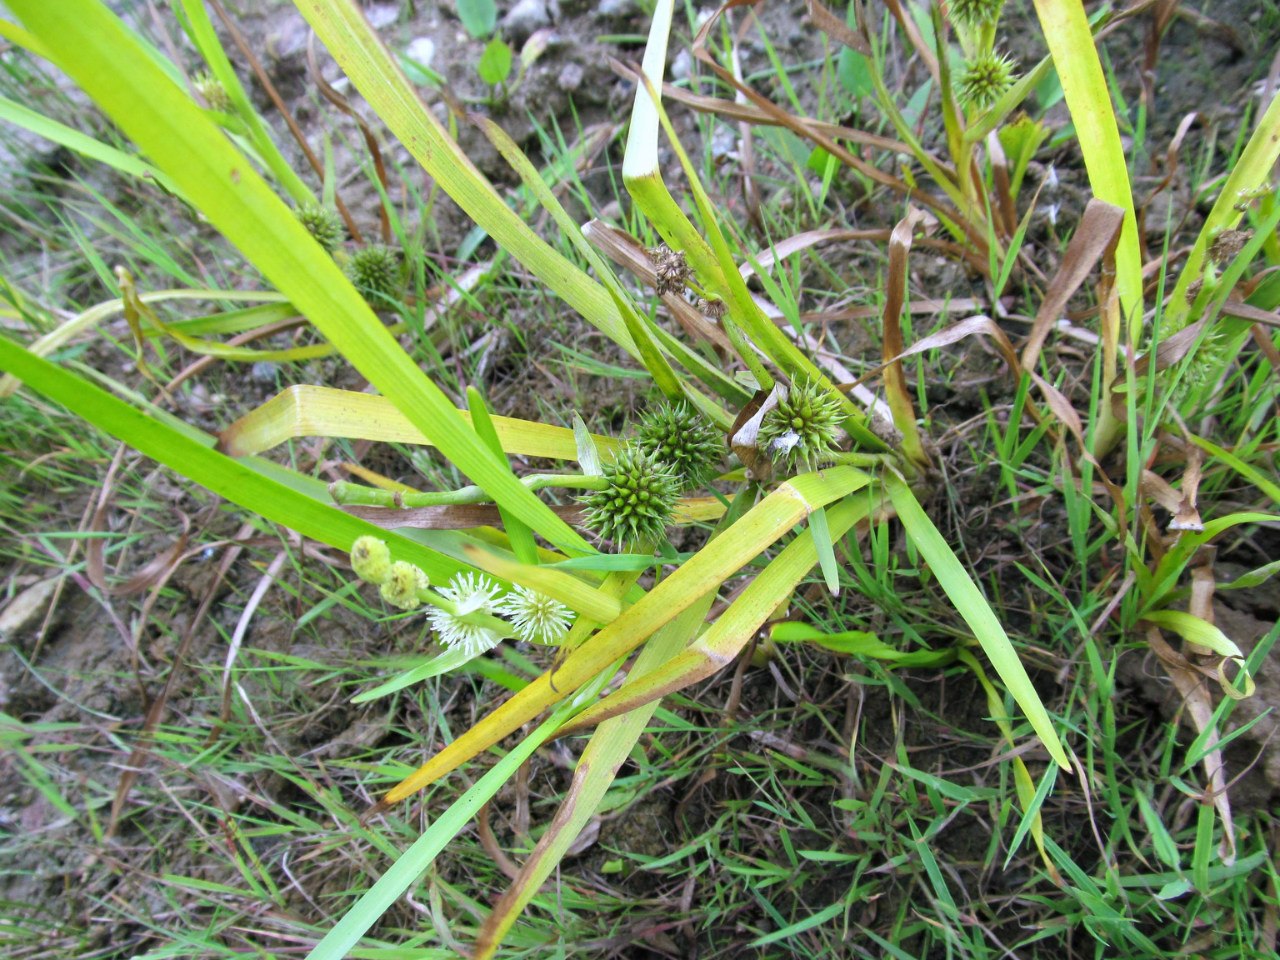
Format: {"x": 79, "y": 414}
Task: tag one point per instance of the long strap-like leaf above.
{"x": 342, "y": 28}
{"x": 100, "y": 54}
{"x": 268, "y": 498}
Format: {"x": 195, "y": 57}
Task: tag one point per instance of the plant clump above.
{"x": 375, "y": 271}
{"x": 323, "y": 225}
{"x": 984, "y": 80}
{"x": 682, "y": 439}
{"x": 804, "y": 426}
{"x": 636, "y": 504}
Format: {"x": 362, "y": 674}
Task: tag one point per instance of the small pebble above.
{"x": 570, "y": 78}
{"x": 524, "y": 18}
{"x": 615, "y": 9}
{"x": 382, "y": 15}
{"x": 264, "y": 371}
{"x": 421, "y": 50}
{"x": 682, "y": 66}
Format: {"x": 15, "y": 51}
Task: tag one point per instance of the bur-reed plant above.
{"x": 814, "y": 466}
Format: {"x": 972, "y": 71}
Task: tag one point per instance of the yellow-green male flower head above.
{"x": 678, "y": 436}
{"x": 371, "y": 560}
{"x": 404, "y": 582}
{"x": 636, "y": 505}
{"x": 803, "y": 427}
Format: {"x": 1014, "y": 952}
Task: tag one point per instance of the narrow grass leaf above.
{"x": 521, "y": 537}
{"x": 808, "y": 923}
{"x": 265, "y": 497}
{"x": 100, "y": 54}
{"x": 1066, "y": 30}
{"x": 826, "y": 552}
{"x": 1161, "y": 841}
{"x": 1195, "y": 630}
{"x": 85, "y": 145}
{"x": 977, "y": 613}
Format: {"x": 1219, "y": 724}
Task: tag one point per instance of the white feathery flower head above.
{"x": 536, "y": 617}
{"x": 471, "y": 593}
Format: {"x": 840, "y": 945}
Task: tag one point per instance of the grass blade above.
{"x": 342, "y": 28}
{"x": 102, "y": 57}
{"x": 1066, "y": 30}
{"x": 977, "y": 613}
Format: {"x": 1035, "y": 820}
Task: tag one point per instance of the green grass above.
{"x": 801, "y": 803}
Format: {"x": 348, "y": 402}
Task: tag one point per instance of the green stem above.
{"x": 347, "y": 494}
{"x": 865, "y": 460}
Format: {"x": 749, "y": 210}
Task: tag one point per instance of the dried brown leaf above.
{"x": 746, "y": 428}
{"x": 836, "y": 29}
{"x": 1195, "y": 695}
{"x": 897, "y": 393}
{"x": 1098, "y": 230}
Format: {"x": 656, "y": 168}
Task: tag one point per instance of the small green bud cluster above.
{"x": 678, "y": 436}
{"x": 984, "y": 80}
{"x": 804, "y": 426}
{"x": 212, "y": 92}
{"x": 323, "y": 224}
{"x": 636, "y": 505}
{"x": 534, "y": 617}
{"x": 398, "y": 582}
{"x": 375, "y": 271}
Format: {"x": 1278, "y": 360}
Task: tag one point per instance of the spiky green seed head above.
{"x": 984, "y": 80}
{"x": 975, "y": 13}
{"x": 375, "y": 271}
{"x": 402, "y": 585}
{"x": 677, "y": 435}
{"x": 371, "y": 560}
{"x": 323, "y": 224}
{"x": 803, "y": 427}
{"x": 636, "y": 505}
{"x": 212, "y": 92}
